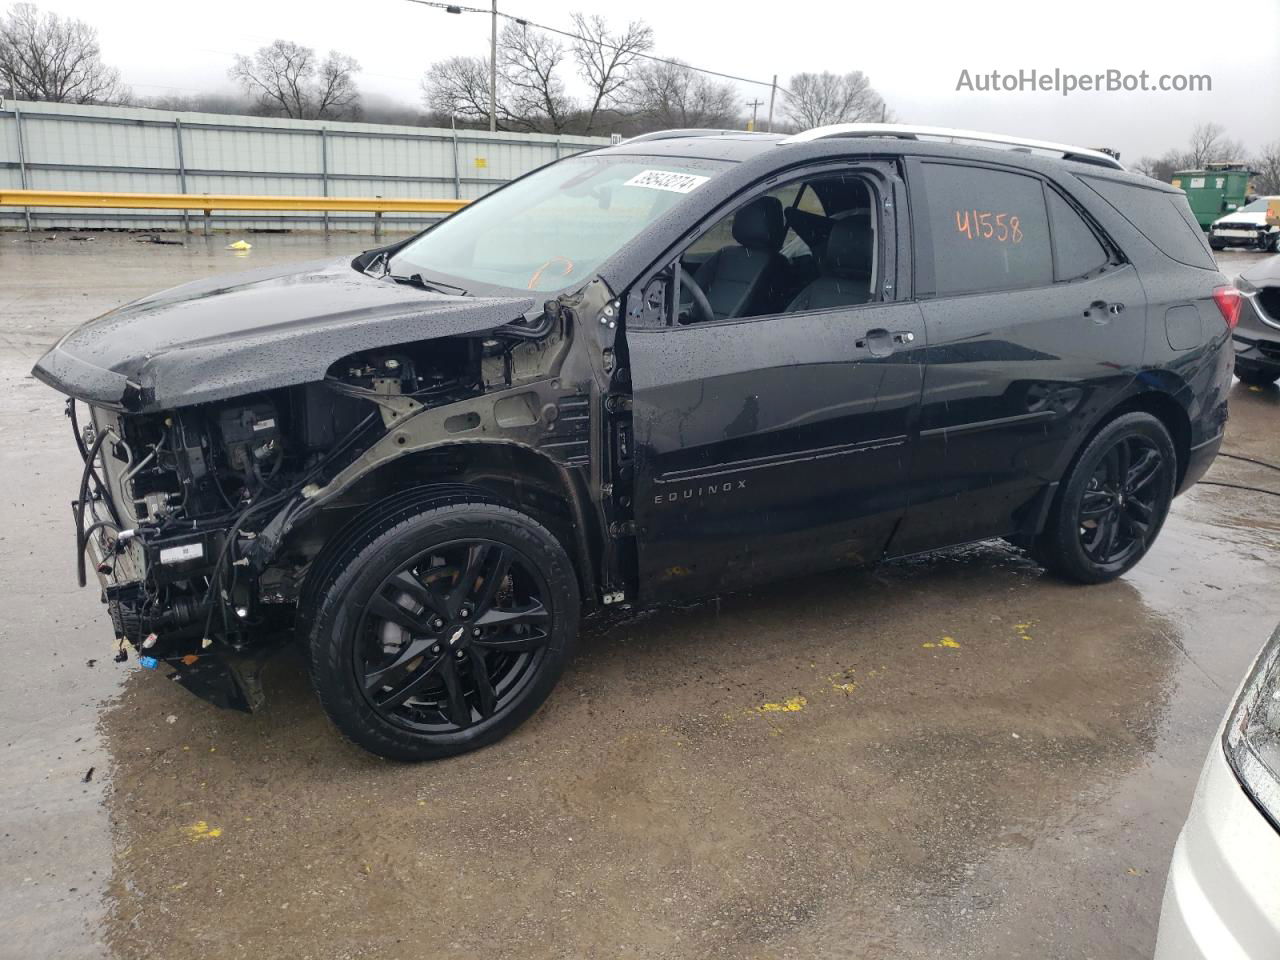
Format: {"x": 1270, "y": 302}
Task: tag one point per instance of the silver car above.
{"x": 1222, "y": 898}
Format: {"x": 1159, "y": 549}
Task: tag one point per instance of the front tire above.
{"x": 1257, "y": 376}
{"x": 1112, "y": 504}
{"x": 441, "y": 631}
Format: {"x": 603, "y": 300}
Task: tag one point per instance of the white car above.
{"x": 1222, "y": 898}
{"x": 1246, "y": 227}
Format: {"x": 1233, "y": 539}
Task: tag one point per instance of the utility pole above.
{"x": 773, "y": 91}
{"x": 493, "y": 70}
{"x": 754, "y": 105}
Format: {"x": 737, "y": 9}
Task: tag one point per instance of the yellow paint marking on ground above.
{"x": 944, "y": 642}
{"x": 843, "y": 681}
{"x": 200, "y": 830}
{"x": 790, "y": 705}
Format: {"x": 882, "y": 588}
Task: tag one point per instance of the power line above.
{"x": 457, "y": 8}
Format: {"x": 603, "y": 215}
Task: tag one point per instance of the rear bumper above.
{"x": 1222, "y": 898}
{"x": 1199, "y": 461}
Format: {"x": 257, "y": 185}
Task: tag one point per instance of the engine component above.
{"x": 250, "y": 435}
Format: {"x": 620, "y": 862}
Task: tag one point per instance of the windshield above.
{"x": 553, "y": 228}
{"x": 1258, "y": 206}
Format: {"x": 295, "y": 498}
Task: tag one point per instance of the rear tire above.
{"x": 1112, "y": 504}
{"x": 1257, "y": 377}
{"x": 441, "y": 630}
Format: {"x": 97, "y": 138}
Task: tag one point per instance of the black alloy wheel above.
{"x": 1121, "y": 501}
{"x": 449, "y": 638}
{"x": 1112, "y": 503}
{"x": 441, "y": 627}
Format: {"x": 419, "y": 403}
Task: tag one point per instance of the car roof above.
{"x": 781, "y": 150}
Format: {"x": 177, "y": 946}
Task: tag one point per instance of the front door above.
{"x": 772, "y": 444}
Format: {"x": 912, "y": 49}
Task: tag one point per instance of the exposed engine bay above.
{"x": 180, "y": 512}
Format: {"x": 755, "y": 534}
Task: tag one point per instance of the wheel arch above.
{"x": 510, "y": 474}
{"x": 1161, "y": 404}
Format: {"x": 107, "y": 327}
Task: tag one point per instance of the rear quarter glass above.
{"x": 1163, "y": 218}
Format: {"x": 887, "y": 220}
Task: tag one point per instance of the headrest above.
{"x": 848, "y": 251}
{"x": 759, "y": 225}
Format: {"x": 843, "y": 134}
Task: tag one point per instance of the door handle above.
{"x": 1100, "y": 311}
{"x": 880, "y": 342}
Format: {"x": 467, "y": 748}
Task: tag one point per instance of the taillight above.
{"x": 1229, "y": 302}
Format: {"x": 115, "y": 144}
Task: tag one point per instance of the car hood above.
{"x": 228, "y": 336}
{"x": 1242, "y": 219}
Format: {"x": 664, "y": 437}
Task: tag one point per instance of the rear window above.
{"x": 990, "y": 230}
{"x": 1077, "y": 251}
{"x": 1163, "y": 218}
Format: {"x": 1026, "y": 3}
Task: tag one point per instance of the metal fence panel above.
{"x": 136, "y": 150}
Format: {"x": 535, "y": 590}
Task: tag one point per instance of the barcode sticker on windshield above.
{"x": 665, "y": 180}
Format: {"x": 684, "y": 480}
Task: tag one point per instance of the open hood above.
{"x": 228, "y": 336}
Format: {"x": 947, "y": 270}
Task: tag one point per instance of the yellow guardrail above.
{"x": 208, "y": 202}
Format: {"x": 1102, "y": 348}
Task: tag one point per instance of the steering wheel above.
{"x": 701, "y": 305}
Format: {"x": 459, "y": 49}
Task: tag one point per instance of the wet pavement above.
{"x": 952, "y": 756}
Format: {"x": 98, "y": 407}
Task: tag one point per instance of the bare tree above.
{"x": 1267, "y": 165}
{"x": 676, "y": 95}
{"x": 529, "y": 62}
{"x": 607, "y": 61}
{"x": 815, "y": 99}
{"x": 336, "y": 93}
{"x": 1208, "y": 145}
{"x": 49, "y": 58}
{"x": 459, "y": 87}
{"x": 287, "y": 79}
{"x": 1153, "y": 167}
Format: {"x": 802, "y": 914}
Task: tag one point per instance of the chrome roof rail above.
{"x": 906, "y": 131}
{"x": 688, "y": 132}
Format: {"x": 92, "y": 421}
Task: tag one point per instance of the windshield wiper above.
{"x": 433, "y": 286}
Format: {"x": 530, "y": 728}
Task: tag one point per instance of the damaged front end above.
{"x": 197, "y": 471}
{"x": 179, "y": 513}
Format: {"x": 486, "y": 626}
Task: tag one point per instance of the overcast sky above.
{"x": 913, "y": 51}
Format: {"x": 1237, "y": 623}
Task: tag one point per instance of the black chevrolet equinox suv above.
{"x": 655, "y": 371}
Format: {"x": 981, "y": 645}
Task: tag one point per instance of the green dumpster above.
{"x": 1215, "y": 191}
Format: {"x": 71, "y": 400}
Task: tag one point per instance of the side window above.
{"x": 806, "y": 245}
{"x": 990, "y": 230}
{"x": 1163, "y": 218}
{"x": 1076, "y": 248}
{"x": 798, "y": 200}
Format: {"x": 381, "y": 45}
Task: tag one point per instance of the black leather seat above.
{"x": 748, "y": 279}
{"x": 845, "y": 268}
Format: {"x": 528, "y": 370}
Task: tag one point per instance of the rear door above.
{"x": 1035, "y": 325}
{"x": 773, "y": 444}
